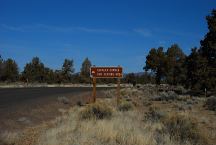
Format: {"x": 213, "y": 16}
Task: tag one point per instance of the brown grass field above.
{"x": 144, "y": 117}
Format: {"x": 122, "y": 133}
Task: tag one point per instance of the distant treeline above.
{"x": 196, "y": 71}
{"x": 36, "y": 72}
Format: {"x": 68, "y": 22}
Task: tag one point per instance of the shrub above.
{"x": 128, "y": 99}
{"x": 180, "y": 90}
{"x": 123, "y": 92}
{"x": 96, "y": 111}
{"x": 183, "y": 129}
{"x": 190, "y": 102}
{"x": 184, "y": 98}
{"x": 79, "y": 103}
{"x": 109, "y": 94}
{"x": 147, "y": 103}
{"x": 211, "y": 103}
{"x": 154, "y": 115}
{"x": 9, "y": 138}
{"x": 63, "y": 100}
{"x": 166, "y": 96}
{"x": 125, "y": 106}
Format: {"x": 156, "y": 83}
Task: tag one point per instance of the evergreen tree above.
{"x": 145, "y": 78}
{"x": 85, "y": 71}
{"x": 208, "y": 52}
{"x": 196, "y": 68}
{"x": 201, "y": 63}
{"x": 10, "y": 71}
{"x": 58, "y": 76}
{"x": 34, "y": 71}
{"x": 156, "y": 62}
{"x": 176, "y": 72}
{"x": 208, "y": 45}
{"x": 130, "y": 78}
{"x": 49, "y": 75}
{"x": 1, "y": 68}
{"x": 67, "y": 70}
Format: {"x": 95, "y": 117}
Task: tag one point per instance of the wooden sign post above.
{"x": 118, "y": 91}
{"x": 94, "y": 90}
{"x": 106, "y": 72}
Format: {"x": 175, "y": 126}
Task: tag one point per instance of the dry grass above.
{"x": 125, "y": 106}
{"x": 96, "y": 111}
{"x": 125, "y": 128}
{"x": 9, "y": 138}
{"x": 103, "y": 123}
{"x": 83, "y": 126}
{"x": 183, "y": 128}
{"x": 210, "y": 103}
{"x": 154, "y": 114}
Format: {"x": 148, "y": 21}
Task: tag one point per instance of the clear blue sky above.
{"x": 111, "y": 32}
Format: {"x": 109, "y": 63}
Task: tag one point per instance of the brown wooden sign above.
{"x": 106, "y": 72}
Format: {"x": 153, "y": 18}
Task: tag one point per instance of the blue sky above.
{"x": 109, "y": 33}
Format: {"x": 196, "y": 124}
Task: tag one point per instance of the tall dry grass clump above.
{"x": 9, "y": 138}
{"x": 154, "y": 114}
{"x": 184, "y": 129}
{"x": 125, "y": 106}
{"x": 97, "y": 110}
{"x": 122, "y": 128}
{"x": 210, "y": 103}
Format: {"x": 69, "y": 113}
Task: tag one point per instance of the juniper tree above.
{"x": 10, "y": 71}
{"x": 1, "y": 68}
{"x": 67, "y": 70}
{"x": 208, "y": 52}
{"x": 34, "y": 71}
{"x": 176, "y": 72}
{"x": 85, "y": 71}
{"x": 156, "y": 62}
